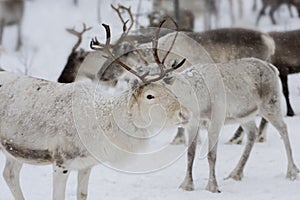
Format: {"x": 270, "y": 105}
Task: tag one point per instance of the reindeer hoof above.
{"x": 235, "y": 176}
{"x": 187, "y": 185}
{"x": 178, "y": 141}
{"x": 290, "y": 113}
{"x": 234, "y": 141}
{"x": 213, "y": 188}
{"x": 292, "y": 173}
{"x": 260, "y": 139}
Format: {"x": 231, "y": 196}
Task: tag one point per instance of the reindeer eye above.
{"x": 149, "y": 96}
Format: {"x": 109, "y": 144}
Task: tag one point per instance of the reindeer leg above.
{"x": 237, "y": 137}
{"x": 251, "y": 130}
{"x": 241, "y": 8}
{"x": 83, "y": 182}
{"x": 1, "y": 31}
{"x": 262, "y": 130}
{"x": 290, "y": 10}
{"x": 284, "y": 81}
{"x": 271, "y": 13}
{"x": 187, "y": 183}
{"x": 261, "y": 13}
{"x": 19, "y": 42}
{"x": 278, "y": 123}
{"x": 231, "y": 10}
{"x": 254, "y": 6}
{"x": 213, "y": 136}
{"x": 11, "y": 175}
{"x": 179, "y": 138}
{"x": 60, "y": 177}
{"x": 272, "y": 112}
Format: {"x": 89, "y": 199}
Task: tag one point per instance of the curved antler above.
{"x": 106, "y": 48}
{"x": 96, "y": 45}
{"x": 78, "y": 34}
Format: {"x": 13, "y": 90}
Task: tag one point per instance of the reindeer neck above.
{"x": 117, "y": 116}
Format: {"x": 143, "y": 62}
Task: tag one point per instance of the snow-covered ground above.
{"x": 45, "y": 50}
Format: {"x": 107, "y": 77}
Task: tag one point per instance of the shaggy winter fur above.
{"x": 250, "y": 88}
{"x": 73, "y": 127}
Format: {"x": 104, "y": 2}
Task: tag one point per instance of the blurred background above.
{"x": 46, "y": 44}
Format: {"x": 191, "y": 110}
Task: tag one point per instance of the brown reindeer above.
{"x": 286, "y": 59}
{"x": 75, "y": 58}
{"x": 11, "y": 13}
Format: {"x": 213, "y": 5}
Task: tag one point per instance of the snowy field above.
{"x": 45, "y": 50}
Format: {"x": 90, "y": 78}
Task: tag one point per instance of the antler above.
{"x": 118, "y": 11}
{"x": 124, "y": 36}
{"x": 161, "y": 64}
{"x": 79, "y": 35}
{"x": 96, "y": 45}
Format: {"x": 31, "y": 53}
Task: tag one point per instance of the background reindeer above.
{"x": 274, "y": 5}
{"x": 75, "y": 58}
{"x": 11, "y": 13}
{"x": 286, "y": 59}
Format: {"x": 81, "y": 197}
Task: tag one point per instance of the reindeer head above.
{"x": 155, "y": 105}
{"x": 148, "y": 101}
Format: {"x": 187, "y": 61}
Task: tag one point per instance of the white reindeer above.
{"x": 37, "y": 124}
{"x": 11, "y": 13}
{"x": 250, "y": 88}
{"x": 233, "y": 92}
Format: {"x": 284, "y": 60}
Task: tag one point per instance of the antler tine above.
{"x": 126, "y": 30}
{"x": 160, "y": 63}
{"x": 173, "y": 42}
{"x": 79, "y": 35}
{"x": 96, "y": 45}
{"x": 128, "y": 10}
{"x": 155, "y": 48}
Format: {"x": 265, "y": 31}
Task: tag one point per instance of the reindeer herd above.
{"x": 232, "y": 72}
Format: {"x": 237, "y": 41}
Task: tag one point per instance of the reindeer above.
{"x": 240, "y": 10}
{"x": 274, "y": 5}
{"x": 48, "y": 133}
{"x": 247, "y": 87}
{"x": 211, "y": 10}
{"x": 233, "y": 92}
{"x": 185, "y": 23}
{"x": 11, "y": 13}
{"x": 75, "y": 58}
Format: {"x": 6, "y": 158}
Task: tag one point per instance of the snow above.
{"x": 45, "y": 50}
